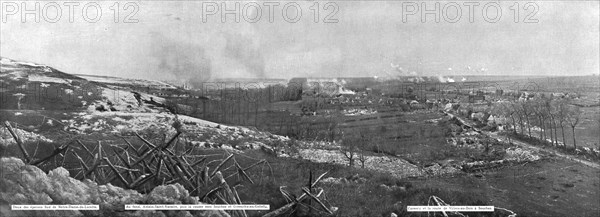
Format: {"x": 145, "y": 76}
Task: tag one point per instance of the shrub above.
{"x": 172, "y": 106}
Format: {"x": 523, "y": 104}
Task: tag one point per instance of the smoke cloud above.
{"x": 184, "y": 61}
{"x": 245, "y": 52}
{"x": 171, "y": 43}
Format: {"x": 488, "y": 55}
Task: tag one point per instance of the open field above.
{"x": 382, "y": 145}
{"x": 543, "y": 188}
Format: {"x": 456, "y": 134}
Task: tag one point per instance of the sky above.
{"x": 169, "y": 40}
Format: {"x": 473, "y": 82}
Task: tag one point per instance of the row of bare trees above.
{"x": 352, "y": 147}
{"x": 547, "y": 113}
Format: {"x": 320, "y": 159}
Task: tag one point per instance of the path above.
{"x": 527, "y": 145}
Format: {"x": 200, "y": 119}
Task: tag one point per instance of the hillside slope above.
{"x": 43, "y": 102}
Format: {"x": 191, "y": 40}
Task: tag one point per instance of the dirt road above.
{"x": 532, "y": 147}
{"x": 526, "y": 145}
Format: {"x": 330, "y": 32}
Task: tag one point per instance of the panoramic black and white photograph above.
{"x": 299, "y": 108}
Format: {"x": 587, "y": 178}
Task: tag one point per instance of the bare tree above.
{"x": 506, "y": 110}
{"x": 550, "y": 112}
{"x": 349, "y": 150}
{"x": 527, "y": 111}
{"x": 362, "y": 158}
{"x": 561, "y": 111}
{"x": 352, "y": 148}
{"x": 540, "y": 113}
{"x": 332, "y": 129}
{"x": 364, "y": 139}
{"x": 573, "y": 118}
{"x": 519, "y": 112}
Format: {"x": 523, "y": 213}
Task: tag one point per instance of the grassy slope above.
{"x": 529, "y": 195}
{"x": 353, "y": 198}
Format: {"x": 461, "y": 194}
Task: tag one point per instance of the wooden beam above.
{"x": 18, "y": 140}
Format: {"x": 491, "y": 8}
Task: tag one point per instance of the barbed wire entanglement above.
{"x": 143, "y": 165}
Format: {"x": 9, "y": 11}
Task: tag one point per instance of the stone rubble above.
{"x": 26, "y": 184}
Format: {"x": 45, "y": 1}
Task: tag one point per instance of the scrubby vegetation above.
{"x": 369, "y": 148}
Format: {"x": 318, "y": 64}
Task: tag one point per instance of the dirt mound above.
{"x": 26, "y": 184}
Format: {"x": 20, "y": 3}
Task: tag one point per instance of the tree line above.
{"x": 549, "y": 113}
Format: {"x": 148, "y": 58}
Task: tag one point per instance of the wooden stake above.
{"x": 18, "y": 140}
{"x": 85, "y": 148}
{"x": 54, "y": 153}
{"x": 220, "y": 165}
